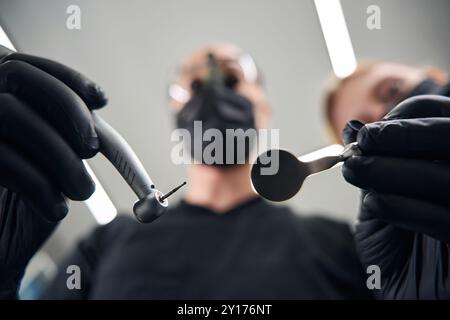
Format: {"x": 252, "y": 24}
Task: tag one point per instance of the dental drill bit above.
{"x": 171, "y": 192}
{"x": 151, "y": 203}
{"x": 278, "y": 175}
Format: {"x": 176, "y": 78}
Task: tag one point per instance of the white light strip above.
{"x": 99, "y": 204}
{"x": 4, "y": 40}
{"x": 336, "y": 36}
{"x": 331, "y": 150}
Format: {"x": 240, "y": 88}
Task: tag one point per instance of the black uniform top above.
{"x": 254, "y": 251}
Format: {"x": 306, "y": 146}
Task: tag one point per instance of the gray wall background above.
{"x": 131, "y": 48}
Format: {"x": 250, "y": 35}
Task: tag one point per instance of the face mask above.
{"x": 218, "y": 107}
{"x": 428, "y": 86}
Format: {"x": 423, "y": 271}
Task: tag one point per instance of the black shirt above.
{"x": 254, "y": 251}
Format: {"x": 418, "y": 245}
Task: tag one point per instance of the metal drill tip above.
{"x": 171, "y": 192}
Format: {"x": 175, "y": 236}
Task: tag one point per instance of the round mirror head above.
{"x": 278, "y": 175}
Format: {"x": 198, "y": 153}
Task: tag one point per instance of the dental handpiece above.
{"x": 151, "y": 203}
{"x": 290, "y": 172}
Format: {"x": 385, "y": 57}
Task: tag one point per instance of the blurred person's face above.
{"x": 370, "y": 95}
{"x": 218, "y": 93}
{"x": 242, "y": 77}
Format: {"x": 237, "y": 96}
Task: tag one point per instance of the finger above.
{"x": 18, "y": 175}
{"x": 25, "y": 131}
{"x": 410, "y": 214}
{"x": 415, "y": 138}
{"x": 16, "y": 211}
{"x": 351, "y": 130}
{"x": 411, "y": 177}
{"x": 54, "y": 101}
{"x": 91, "y": 93}
{"x": 425, "y": 106}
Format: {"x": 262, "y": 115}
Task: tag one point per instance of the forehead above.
{"x": 390, "y": 69}
{"x": 360, "y": 85}
{"x": 354, "y": 89}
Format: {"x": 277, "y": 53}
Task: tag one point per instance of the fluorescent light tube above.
{"x": 336, "y": 36}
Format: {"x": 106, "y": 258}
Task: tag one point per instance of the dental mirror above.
{"x": 278, "y": 175}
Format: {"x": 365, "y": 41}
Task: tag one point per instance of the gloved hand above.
{"x": 404, "y": 220}
{"x": 45, "y": 130}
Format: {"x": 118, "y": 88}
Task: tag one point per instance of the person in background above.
{"x": 375, "y": 87}
{"x": 400, "y": 117}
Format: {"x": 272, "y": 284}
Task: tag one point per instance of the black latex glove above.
{"x": 404, "y": 221}
{"x": 45, "y": 130}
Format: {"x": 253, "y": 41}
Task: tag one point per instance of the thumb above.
{"x": 351, "y": 131}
